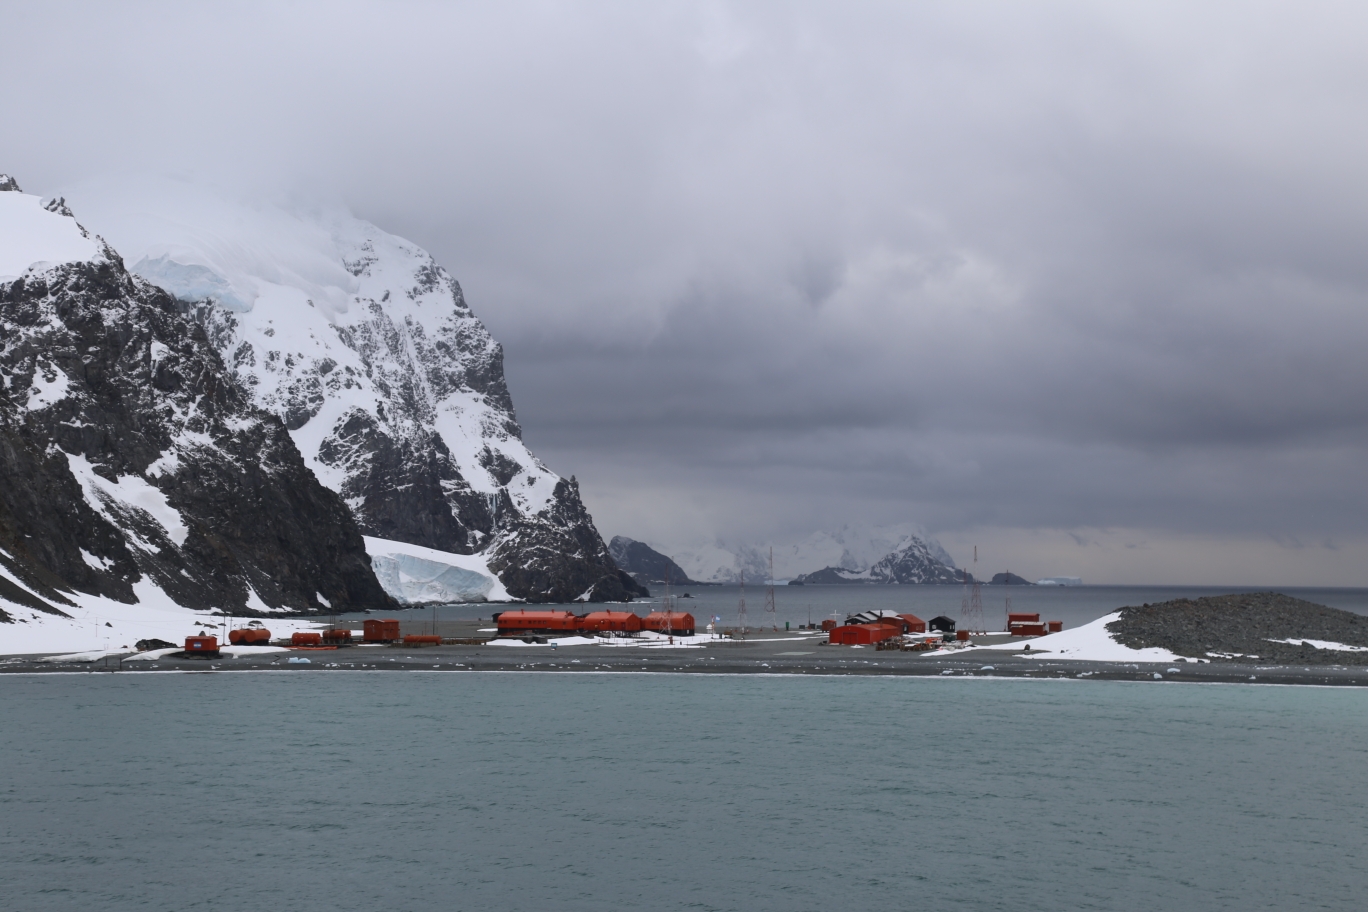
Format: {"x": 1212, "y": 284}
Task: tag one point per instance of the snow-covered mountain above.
{"x": 912, "y": 562}
{"x": 853, "y": 547}
{"x": 390, "y": 387}
{"x": 135, "y": 472}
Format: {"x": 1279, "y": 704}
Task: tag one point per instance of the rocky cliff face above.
{"x": 131, "y": 458}
{"x": 912, "y": 563}
{"x": 645, "y": 564}
{"x": 364, "y": 347}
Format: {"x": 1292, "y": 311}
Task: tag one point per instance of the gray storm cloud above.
{"x": 1008, "y": 271}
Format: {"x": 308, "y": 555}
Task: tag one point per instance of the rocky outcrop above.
{"x": 1009, "y": 579}
{"x": 912, "y": 563}
{"x": 130, "y": 456}
{"x": 1268, "y": 628}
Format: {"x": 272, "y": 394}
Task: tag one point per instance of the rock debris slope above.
{"x": 133, "y": 466}
{"x": 392, "y": 389}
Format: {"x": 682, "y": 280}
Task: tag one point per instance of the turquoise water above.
{"x": 356, "y": 791}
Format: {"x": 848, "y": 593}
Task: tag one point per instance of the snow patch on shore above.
{"x": 102, "y": 625}
{"x": 1323, "y": 644}
{"x": 1089, "y": 643}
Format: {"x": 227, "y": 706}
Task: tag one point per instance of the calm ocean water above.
{"x": 452, "y": 791}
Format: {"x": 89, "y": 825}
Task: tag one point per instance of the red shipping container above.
{"x": 1028, "y": 630}
{"x": 202, "y": 644}
{"x": 1056, "y": 626}
{"x": 1022, "y": 618}
{"x": 828, "y": 624}
{"x": 380, "y": 631}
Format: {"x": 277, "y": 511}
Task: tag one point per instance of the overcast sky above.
{"x": 1082, "y": 283}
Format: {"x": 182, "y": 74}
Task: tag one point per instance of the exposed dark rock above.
{"x": 1009, "y": 579}
{"x": 558, "y": 556}
{"x": 1244, "y": 628}
{"x": 148, "y": 645}
{"x": 645, "y": 564}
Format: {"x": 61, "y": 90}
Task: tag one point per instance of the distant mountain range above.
{"x": 911, "y": 563}
{"x": 853, "y": 554}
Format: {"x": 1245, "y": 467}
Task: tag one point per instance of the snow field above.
{"x": 31, "y": 236}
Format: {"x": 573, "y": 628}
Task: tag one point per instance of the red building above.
{"x": 521, "y": 620}
{"x": 610, "y": 622}
{"x": 202, "y": 645}
{"x": 377, "y": 630}
{"x": 677, "y": 623}
{"x": 866, "y": 634}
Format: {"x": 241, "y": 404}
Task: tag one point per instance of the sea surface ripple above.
{"x": 403, "y": 791}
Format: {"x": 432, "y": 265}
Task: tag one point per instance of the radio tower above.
{"x": 741, "y": 607}
{"x": 971, "y": 608}
{"x": 1007, "y": 620}
{"x": 771, "y": 616}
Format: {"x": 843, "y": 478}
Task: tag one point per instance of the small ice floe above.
{"x": 296, "y": 660}
{"x": 1172, "y": 671}
{"x": 1158, "y": 676}
{"x": 947, "y": 672}
{"x": 987, "y": 668}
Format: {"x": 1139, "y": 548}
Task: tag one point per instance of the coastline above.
{"x": 788, "y": 656}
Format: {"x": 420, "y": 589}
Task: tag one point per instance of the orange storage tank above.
{"x": 306, "y": 639}
{"x": 249, "y": 636}
{"x": 380, "y": 631}
{"x": 610, "y": 621}
{"x": 204, "y": 645}
{"x": 675, "y": 622}
{"x": 422, "y": 639}
{"x": 337, "y": 635}
{"x": 522, "y": 620}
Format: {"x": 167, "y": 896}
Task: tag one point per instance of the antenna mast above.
{"x": 771, "y": 616}
{"x": 971, "y": 607}
{"x": 741, "y": 608}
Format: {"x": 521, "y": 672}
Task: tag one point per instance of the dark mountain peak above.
{"x": 645, "y": 564}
